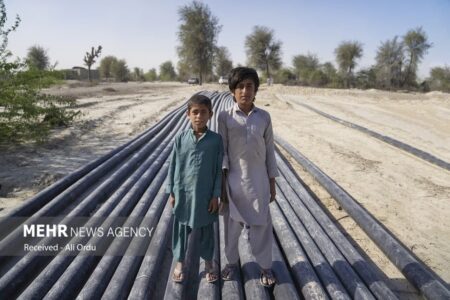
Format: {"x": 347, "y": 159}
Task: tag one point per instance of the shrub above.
{"x": 25, "y": 112}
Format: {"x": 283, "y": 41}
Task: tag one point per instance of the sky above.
{"x": 144, "y": 32}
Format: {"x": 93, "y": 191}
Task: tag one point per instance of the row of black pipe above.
{"x": 312, "y": 257}
{"x": 396, "y": 143}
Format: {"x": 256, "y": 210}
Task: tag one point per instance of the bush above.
{"x": 318, "y": 78}
{"x": 25, "y": 112}
{"x": 285, "y": 76}
{"x": 440, "y": 79}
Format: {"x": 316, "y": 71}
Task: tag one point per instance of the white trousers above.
{"x": 260, "y": 238}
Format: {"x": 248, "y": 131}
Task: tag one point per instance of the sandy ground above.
{"x": 408, "y": 195}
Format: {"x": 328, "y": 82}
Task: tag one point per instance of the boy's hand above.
{"x": 273, "y": 192}
{"x": 222, "y": 206}
{"x": 223, "y": 195}
{"x": 213, "y": 205}
{"x": 272, "y": 195}
{"x": 172, "y": 200}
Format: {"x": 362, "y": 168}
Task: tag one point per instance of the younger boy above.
{"x": 194, "y": 184}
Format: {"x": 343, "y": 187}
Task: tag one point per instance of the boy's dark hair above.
{"x": 241, "y": 73}
{"x": 198, "y": 99}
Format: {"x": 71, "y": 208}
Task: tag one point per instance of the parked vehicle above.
{"x": 223, "y": 80}
{"x": 193, "y": 80}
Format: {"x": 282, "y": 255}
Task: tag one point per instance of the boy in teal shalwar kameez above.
{"x": 194, "y": 184}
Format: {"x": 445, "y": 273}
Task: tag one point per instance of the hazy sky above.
{"x": 144, "y": 32}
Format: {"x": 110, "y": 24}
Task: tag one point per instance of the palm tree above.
{"x": 389, "y": 62}
{"x": 416, "y": 46}
{"x": 346, "y": 55}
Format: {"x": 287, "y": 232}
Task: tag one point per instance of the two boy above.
{"x": 243, "y": 174}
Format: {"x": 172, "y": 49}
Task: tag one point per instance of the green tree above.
{"x": 37, "y": 58}
{"x": 318, "y": 78}
{"x": 25, "y": 112}
{"x": 4, "y": 32}
{"x": 223, "y": 62}
{"x": 184, "y": 71}
{"x": 346, "y": 55}
{"x": 167, "y": 71}
{"x": 138, "y": 74}
{"x": 151, "y": 75}
{"x": 198, "y": 38}
{"x": 416, "y": 46}
{"x": 89, "y": 59}
{"x": 120, "y": 71}
{"x": 304, "y": 66}
{"x": 105, "y": 67}
{"x": 285, "y": 76}
{"x": 366, "y": 78}
{"x": 263, "y": 52}
{"x": 389, "y": 62}
{"x": 440, "y": 79}
{"x": 332, "y": 75}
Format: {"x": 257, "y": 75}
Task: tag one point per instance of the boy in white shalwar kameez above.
{"x": 249, "y": 170}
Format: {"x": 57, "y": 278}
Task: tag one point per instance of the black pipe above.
{"x": 149, "y": 273}
{"x": 210, "y": 290}
{"x": 69, "y": 281}
{"x": 51, "y": 273}
{"x": 123, "y": 273}
{"x": 414, "y": 271}
{"x": 321, "y": 266}
{"x": 284, "y": 288}
{"x": 251, "y": 272}
{"x": 304, "y": 276}
{"x": 366, "y": 270}
{"x": 231, "y": 289}
{"x": 410, "y": 149}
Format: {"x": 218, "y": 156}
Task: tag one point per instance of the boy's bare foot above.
{"x": 211, "y": 272}
{"x": 178, "y": 274}
{"x": 267, "y": 278}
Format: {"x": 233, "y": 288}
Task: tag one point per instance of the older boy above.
{"x": 194, "y": 184}
{"x": 249, "y": 170}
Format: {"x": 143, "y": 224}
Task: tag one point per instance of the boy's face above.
{"x": 199, "y": 115}
{"x": 245, "y": 93}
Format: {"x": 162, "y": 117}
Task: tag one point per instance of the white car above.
{"x": 223, "y": 80}
{"x": 193, "y": 80}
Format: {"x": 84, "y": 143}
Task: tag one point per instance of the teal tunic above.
{"x": 195, "y": 176}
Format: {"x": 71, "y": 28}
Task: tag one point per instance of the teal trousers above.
{"x": 180, "y": 237}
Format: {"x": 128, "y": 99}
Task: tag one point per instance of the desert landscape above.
{"x": 408, "y": 195}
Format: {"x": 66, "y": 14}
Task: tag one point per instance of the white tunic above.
{"x": 250, "y": 159}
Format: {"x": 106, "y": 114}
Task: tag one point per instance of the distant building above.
{"x": 80, "y": 73}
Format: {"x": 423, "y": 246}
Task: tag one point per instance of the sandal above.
{"x": 212, "y": 275}
{"x": 178, "y": 275}
{"x": 269, "y": 277}
{"x": 228, "y": 272}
